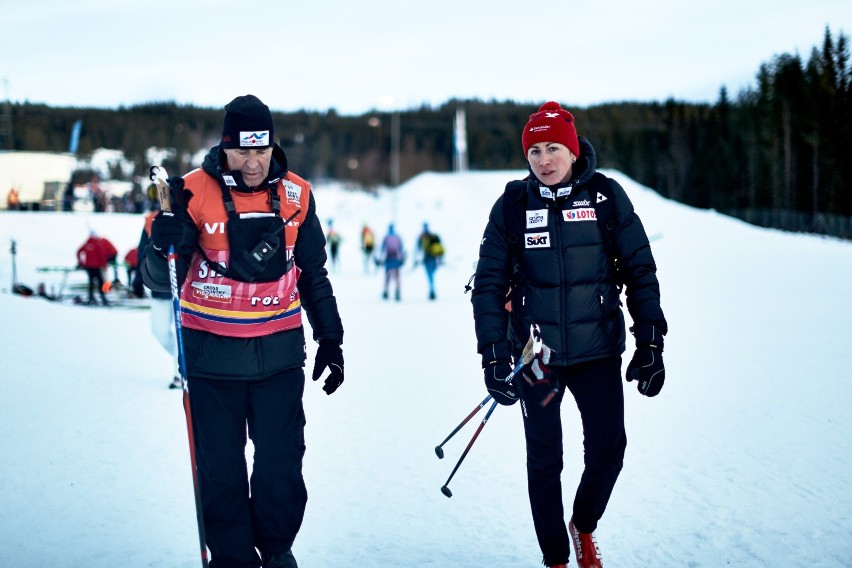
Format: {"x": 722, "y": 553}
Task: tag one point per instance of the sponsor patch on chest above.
{"x": 292, "y": 191}
{"x": 212, "y": 292}
{"x": 536, "y": 218}
{"x": 537, "y": 240}
{"x": 582, "y": 214}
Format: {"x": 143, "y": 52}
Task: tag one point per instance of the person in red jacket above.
{"x": 93, "y": 257}
{"x": 131, "y": 261}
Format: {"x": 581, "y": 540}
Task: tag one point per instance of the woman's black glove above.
{"x": 330, "y": 355}
{"x": 646, "y": 367}
{"x": 495, "y": 373}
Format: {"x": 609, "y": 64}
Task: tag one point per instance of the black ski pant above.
{"x": 597, "y": 390}
{"x": 265, "y": 511}
{"x": 96, "y": 282}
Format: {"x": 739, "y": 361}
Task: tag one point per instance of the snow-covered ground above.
{"x": 745, "y": 458}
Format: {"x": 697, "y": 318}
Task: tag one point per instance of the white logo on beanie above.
{"x": 254, "y": 138}
{"x": 551, "y": 114}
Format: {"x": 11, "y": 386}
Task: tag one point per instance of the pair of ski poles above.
{"x": 532, "y": 349}
{"x": 439, "y": 448}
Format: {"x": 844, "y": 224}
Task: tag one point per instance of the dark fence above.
{"x": 796, "y": 221}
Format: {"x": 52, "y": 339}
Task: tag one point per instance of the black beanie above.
{"x": 247, "y": 124}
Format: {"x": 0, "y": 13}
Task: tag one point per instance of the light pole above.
{"x": 394, "y": 158}
{"x": 387, "y": 102}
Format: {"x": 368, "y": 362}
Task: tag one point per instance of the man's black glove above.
{"x": 176, "y": 229}
{"x": 646, "y": 367}
{"x": 329, "y": 354}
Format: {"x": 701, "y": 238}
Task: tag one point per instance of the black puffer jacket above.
{"x": 568, "y": 285}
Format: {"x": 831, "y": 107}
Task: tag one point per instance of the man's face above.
{"x": 252, "y": 163}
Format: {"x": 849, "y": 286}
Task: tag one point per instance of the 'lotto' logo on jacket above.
{"x": 585, "y": 214}
{"x": 537, "y": 240}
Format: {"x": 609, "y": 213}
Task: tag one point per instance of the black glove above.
{"x": 646, "y": 367}
{"x": 495, "y": 374}
{"x": 176, "y": 229}
{"x": 329, "y": 354}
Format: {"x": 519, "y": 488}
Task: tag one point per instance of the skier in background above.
{"x": 94, "y": 256}
{"x": 431, "y": 253}
{"x": 333, "y": 238}
{"x": 392, "y": 256}
{"x": 368, "y": 244}
{"x": 131, "y": 261}
{"x": 566, "y": 277}
{"x": 162, "y": 311}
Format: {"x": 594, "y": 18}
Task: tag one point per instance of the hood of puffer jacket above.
{"x": 215, "y": 165}
{"x": 581, "y": 172}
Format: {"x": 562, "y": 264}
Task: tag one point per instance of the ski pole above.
{"x": 186, "y": 406}
{"x": 438, "y": 450}
{"x": 158, "y": 176}
{"x": 446, "y": 490}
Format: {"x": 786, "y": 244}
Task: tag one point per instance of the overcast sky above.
{"x": 358, "y": 56}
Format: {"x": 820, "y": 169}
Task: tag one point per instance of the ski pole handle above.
{"x": 511, "y": 376}
{"x": 159, "y": 176}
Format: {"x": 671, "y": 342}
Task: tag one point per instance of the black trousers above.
{"x": 266, "y": 511}
{"x": 96, "y": 282}
{"x": 597, "y": 390}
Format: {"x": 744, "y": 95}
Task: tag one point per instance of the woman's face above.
{"x": 550, "y": 162}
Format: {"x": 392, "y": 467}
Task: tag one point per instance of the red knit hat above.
{"x": 551, "y": 123}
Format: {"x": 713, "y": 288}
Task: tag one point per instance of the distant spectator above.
{"x": 13, "y": 200}
{"x": 94, "y": 256}
{"x": 392, "y": 256}
{"x": 333, "y": 238}
{"x": 368, "y": 244}
{"x": 162, "y": 309}
{"x": 131, "y": 262}
{"x": 431, "y": 255}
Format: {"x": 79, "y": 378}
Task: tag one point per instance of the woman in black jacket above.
{"x": 565, "y": 241}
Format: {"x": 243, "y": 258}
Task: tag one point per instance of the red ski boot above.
{"x": 585, "y": 548}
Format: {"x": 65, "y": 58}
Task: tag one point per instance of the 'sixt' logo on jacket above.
{"x": 537, "y": 240}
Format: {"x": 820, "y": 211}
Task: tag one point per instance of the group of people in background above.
{"x": 97, "y": 255}
{"x": 391, "y": 255}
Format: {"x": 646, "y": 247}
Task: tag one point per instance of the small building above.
{"x": 38, "y": 177}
